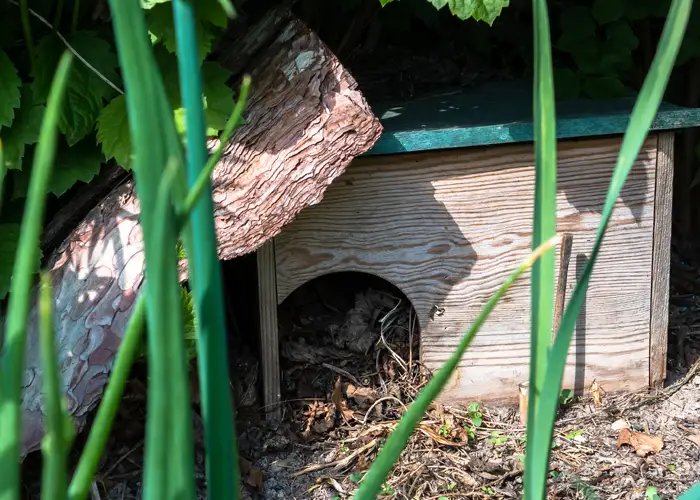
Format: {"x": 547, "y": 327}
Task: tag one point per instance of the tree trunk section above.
{"x": 306, "y": 121}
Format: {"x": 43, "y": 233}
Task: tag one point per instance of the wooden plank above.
{"x": 269, "y": 342}
{"x": 500, "y": 113}
{"x": 448, "y": 227}
{"x": 661, "y": 263}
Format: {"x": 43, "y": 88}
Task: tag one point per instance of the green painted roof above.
{"x": 501, "y": 114}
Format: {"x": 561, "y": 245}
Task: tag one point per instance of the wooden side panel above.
{"x": 269, "y": 342}
{"x": 448, "y": 227}
{"x": 661, "y": 264}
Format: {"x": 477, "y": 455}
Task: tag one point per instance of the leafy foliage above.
{"x": 9, "y": 90}
{"x": 93, "y": 120}
{"x": 480, "y": 10}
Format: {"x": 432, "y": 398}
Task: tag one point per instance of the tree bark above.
{"x": 305, "y": 122}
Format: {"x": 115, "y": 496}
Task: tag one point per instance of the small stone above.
{"x": 278, "y": 442}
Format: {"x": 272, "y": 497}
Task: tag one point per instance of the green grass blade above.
{"x": 169, "y": 446}
{"x": 99, "y": 432}
{"x": 203, "y": 181}
{"x": 57, "y": 441}
{"x": 691, "y": 494}
{"x": 545, "y": 206}
{"x": 3, "y": 173}
{"x": 22, "y": 283}
{"x": 221, "y": 451}
{"x": 395, "y": 444}
{"x": 641, "y": 120}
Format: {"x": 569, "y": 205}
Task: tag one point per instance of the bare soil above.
{"x": 349, "y": 359}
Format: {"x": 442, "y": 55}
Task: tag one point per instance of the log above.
{"x": 305, "y": 122}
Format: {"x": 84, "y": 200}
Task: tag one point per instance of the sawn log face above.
{"x": 305, "y": 122}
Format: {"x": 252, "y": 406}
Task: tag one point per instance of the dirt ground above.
{"x": 349, "y": 359}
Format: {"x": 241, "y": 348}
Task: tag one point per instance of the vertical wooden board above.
{"x": 269, "y": 341}
{"x": 448, "y": 227}
{"x": 661, "y": 265}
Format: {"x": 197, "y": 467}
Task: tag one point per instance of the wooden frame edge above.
{"x": 661, "y": 259}
{"x": 269, "y": 336}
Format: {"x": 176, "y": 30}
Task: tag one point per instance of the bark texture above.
{"x": 306, "y": 121}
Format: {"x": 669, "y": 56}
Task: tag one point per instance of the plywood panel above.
{"x": 448, "y": 227}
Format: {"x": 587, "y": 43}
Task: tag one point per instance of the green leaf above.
{"x": 480, "y": 10}
{"x": 86, "y": 91}
{"x": 218, "y": 96}
{"x": 80, "y": 162}
{"x": 566, "y": 84}
{"x": 578, "y": 23}
{"x": 8, "y": 247}
{"x": 212, "y": 12}
{"x": 608, "y": 11}
{"x": 162, "y": 30}
{"x": 614, "y": 59}
{"x": 604, "y": 87}
{"x": 587, "y": 57}
{"x": 24, "y": 130}
{"x": 149, "y": 4}
{"x": 113, "y": 132}
{"x": 9, "y": 90}
{"x": 621, "y": 34}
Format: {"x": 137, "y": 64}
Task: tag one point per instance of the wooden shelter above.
{"x": 442, "y": 207}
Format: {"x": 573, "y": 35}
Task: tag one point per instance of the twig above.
{"x": 342, "y": 372}
{"x": 94, "y": 492}
{"x": 70, "y": 47}
{"x": 385, "y": 398}
{"x": 389, "y": 315}
{"x": 338, "y": 464}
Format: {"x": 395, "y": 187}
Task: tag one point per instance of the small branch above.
{"x": 70, "y": 47}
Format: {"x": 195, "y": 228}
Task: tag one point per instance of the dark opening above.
{"x": 351, "y": 325}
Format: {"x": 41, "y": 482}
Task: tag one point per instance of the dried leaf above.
{"x": 251, "y": 474}
{"x": 337, "y": 396}
{"x": 363, "y": 396}
{"x": 642, "y": 443}
{"x": 329, "y": 480}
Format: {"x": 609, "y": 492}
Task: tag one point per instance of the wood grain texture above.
{"x": 305, "y": 122}
{"x": 269, "y": 338}
{"x": 501, "y": 113}
{"x": 661, "y": 263}
{"x": 448, "y": 227}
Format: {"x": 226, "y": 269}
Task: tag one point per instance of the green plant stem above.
{"x": 395, "y": 444}
{"x": 76, "y": 16}
{"x": 22, "y": 282}
{"x": 56, "y": 442}
{"x": 129, "y": 349}
{"x": 545, "y": 210}
{"x": 223, "y": 479}
{"x": 26, "y": 27}
{"x": 3, "y": 173}
{"x": 645, "y": 109}
{"x": 57, "y": 17}
{"x": 169, "y": 456}
{"x": 203, "y": 180}
{"x": 99, "y": 432}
